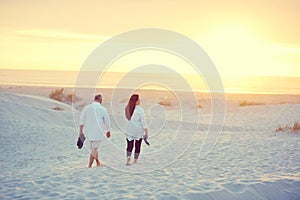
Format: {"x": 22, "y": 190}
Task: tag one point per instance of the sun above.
{"x": 236, "y": 50}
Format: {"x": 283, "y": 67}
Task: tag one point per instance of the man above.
{"x": 93, "y": 118}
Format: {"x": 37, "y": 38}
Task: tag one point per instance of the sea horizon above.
{"x": 109, "y": 80}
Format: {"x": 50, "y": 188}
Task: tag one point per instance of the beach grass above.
{"x": 60, "y": 95}
{"x": 295, "y": 128}
{"x": 249, "y": 103}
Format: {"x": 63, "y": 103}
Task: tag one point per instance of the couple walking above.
{"x": 94, "y": 120}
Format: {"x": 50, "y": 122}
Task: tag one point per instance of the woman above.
{"x": 136, "y": 127}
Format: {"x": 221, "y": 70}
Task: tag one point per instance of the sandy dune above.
{"x": 40, "y": 160}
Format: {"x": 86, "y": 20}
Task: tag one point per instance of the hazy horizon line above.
{"x": 76, "y": 71}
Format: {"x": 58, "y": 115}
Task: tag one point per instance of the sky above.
{"x": 242, "y": 37}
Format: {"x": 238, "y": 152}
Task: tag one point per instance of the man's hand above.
{"x": 107, "y": 134}
{"x": 81, "y": 130}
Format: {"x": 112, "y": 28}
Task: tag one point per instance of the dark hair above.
{"x": 98, "y": 97}
{"x": 131, "y": 105}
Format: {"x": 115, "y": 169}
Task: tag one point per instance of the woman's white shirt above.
{"x": 136, "y": 125}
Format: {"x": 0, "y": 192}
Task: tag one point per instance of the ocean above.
{"x": 159, "y": 81}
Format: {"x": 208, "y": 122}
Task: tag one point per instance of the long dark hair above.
{"x": 131, "y": 105}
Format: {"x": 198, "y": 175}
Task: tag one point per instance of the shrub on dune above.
{"x": 282, "y": 128}
{"x": 57, "y": 94}
{"x": 57, "y": 108}
{"x": 296, "y": 126}
{"x": 165, "y": 102}
{"x": 72, "y": 97}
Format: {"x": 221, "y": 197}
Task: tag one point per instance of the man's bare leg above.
{"x": 93, "y": 156}
{"x": 96, "y": 157}
{"x": 91, "y": 161}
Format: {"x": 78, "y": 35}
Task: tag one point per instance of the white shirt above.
{"x": 93, "y": 118}
{"x": 137, "y": 124}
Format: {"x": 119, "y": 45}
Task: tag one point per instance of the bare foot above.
{"x": 98, "y": 163}
{"x": 128, "y": 161}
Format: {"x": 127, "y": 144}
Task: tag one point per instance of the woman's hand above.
{"x": 146, "y": 134}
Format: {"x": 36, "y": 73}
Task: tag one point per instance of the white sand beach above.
{"x": 40, "y": 159}
{"x": 219, "y": 82}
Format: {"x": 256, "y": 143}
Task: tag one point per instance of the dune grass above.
{"x": 60, "y": 95}
{"x": 250, "y": 103}
{"x": 294, "y": 128}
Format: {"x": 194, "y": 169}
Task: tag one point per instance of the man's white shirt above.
{"x": 93, "y": 118}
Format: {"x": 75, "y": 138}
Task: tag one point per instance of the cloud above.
{"x": 56, "y": 35}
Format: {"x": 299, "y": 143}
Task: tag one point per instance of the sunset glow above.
{"x": 243, "y": 38}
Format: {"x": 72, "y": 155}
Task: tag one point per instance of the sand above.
{"x": 40, "y": 159}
